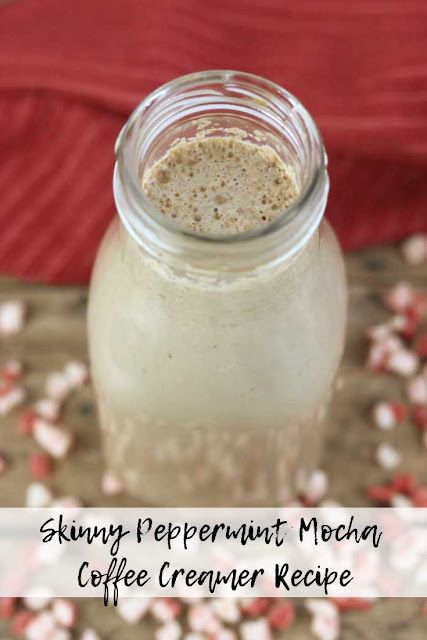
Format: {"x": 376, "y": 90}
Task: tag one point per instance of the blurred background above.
{"x": 71, "y": 72}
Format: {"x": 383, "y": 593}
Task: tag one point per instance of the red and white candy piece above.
{"x": 325, "y": 624}
{"x": 10, "y": 399}
{"x": 227, "y": 610}
{"x": 400, "y": 297}
{"x": 387, "y": 456}
{"x": 404, "y": 363}
{"x": 417, "y": 390}
{"x": 57, "y": 386}
{"x": 282, "y": 615}
{"x": 387, "y": 414}
{"x": 48, "y": 408}
{"x": 12, "y": 317}
{"x": 76, "y": 373}
{"x": 38, "y": 601}
{"x": 20, "y": 623}
{"x": 414, "y": 249}
{"x": 11, "y": 371}
{"x": 132, "y": 610}
{"x": 111, "y": 485}
{"x": 255, "y": 630}
{"x": 38, "y": 495}
{"x": 65, "y": 612}
{"x": 41, "y": 627}
{"x": 39, "y": 465}
{"x": 53, "y": 439}
{"x": 201, "y": 618}
{"x": 316, "y": 487}
{"x": 172, "y": 630}
{"x": 223, "y": 634}
{"x": 165, "y": 609}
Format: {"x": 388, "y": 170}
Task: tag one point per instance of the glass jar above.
{"x": 213, "y": 357}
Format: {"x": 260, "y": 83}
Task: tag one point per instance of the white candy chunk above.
{"x": 316, "y": 487}
{"x": 12, "y": 316}
{"x": 11, "y": 399}
{"x": 256, "y": 630}
{"x": 53, "y": 439}
{"x": 405, "y": 363}
{"x": 111, "y": 484}
{"x": 65, "y": 612}
{"x": 133, "y": 609}
{"x": 325, "y": 623}
{"x": 172, "y": 630}
{"x": 417, "y": 390}
{"x": 12, "y": 369}
{"x": 41, "y": 627}
{"x": 400, "y": 297}
{"x": 414, "y": 249}
{"x": 227, "y": 610}
{"x": 387, "y": 456}
{"x": 48, "y": 408}
{"x": 383, "y": 415}
{"x": 38, "y": 495}
{"x": 201, "y": 618}
{"x": 57, "y": 386}
{"x": 76, "y": 373}
{"x": 89, "y": 634}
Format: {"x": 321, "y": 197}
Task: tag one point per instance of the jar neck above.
{"x": 223, "y": 100}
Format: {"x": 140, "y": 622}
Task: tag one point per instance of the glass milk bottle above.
{"x": 213, "y": 355}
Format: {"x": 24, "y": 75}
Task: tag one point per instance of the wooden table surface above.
{"x": 55, "y": 333}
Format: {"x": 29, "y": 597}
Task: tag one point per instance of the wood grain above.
{"x": 56, "y": 332}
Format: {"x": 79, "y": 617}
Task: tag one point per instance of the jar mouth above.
{"x": 198, "y": 95}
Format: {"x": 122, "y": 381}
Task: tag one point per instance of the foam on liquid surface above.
{"x": 220, "y": 185}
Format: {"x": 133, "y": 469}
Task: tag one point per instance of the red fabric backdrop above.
{"x": 70, "y": 73}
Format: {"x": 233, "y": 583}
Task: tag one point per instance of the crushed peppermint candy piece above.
{"x": 38, "y": 601}
{"x": 111, "y": 484}
{"x": 65, "y": 612}
{"x": 256, "y": 630}
{"x": 11, "y": 371}
{"x": 172, "y": 630}
{"x": 57, "y": 386}
{"x": 26, "y": 422}
{"x": 41, "y": 627}
{"x": 165, "y": 609}
{"x": 400, "y": 297}
{"x": 227, "y": 610}
{"x": 387, "y": 456}
{"x": 405, "y": 483}
{"x": 384, "y": 416}
{"x": 48, "y": 408}
{"x": 7, "y": 607}
{"x": 38, "y": 495}
{"x": 76, "y": 373}
{"x": 404, "y": 363}
{"x": 53, "y": 439}
{"x": 315, "y": 488}
{"x": 20, "y": 623}
{"x": 381, "y": 494}
{"x": 417, "y": 390}
{"x": 414, "y": 249}
{"x": 132, "y": 610}
{"x": 419, "y": 497}
{"x": 282, "y": 615}
{"x": 421, "y": 345}
{"x": 12, "y": 317}
{"x": 202, "y": 618}
{"x": 325, "y": 624}
{"x": 420, "y": 417}
{"x": 11, "y": 399}
{"x": 89, "y": 634}
{"x": 39, "y": 465}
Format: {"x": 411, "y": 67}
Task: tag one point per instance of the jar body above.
{"x": 212, "y": 393}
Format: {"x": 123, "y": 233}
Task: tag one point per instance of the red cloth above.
{"x": 70, "y": 72}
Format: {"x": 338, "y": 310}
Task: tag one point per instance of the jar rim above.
{"x": 139, "y": 214}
